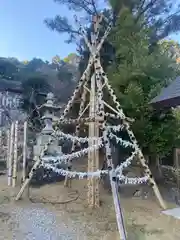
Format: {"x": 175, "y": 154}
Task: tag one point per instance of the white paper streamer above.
{"x": 74, "y": 174}
{"x": 107, "y": 131}
{"x": 74, "y": 138}
{"x": 67, "y": 157}
{"x": 135, "y": 180}
{"x": 119, "y": 140}
{"x": 107, "y": 147}
{"x": 97, "y": 174}
{"x": 115, "y": 116}
{"x": 126, "y": 163}
{"x": 117, "y": 128}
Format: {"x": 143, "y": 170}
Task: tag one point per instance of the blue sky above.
{"x": 24, "y": 35}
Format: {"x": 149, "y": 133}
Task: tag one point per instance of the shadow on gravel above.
{"x": 45, "y": 176}
{"x": 140, "y": 232}
{"x": 2, "y": 168}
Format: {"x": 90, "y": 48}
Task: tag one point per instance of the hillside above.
{"x": 61, "y": 75}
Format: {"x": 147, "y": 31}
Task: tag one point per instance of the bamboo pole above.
{"x": 8, "y": 148}
{"x": 28, "y": 179}
{"x": 70, "y": 103}
{"x": 14, "y": 177}
{"x": 116, "y": 199}
{"x": 93, "y": 156}
{"x": 1, "y": 141}
{"x": 10, "y": 160}
{"x": 66, "y": 111}
{"x": 33, "y": 169}
{"x": 114, "y": 188}
{"x": 117, "y": 206}
{"x": 176, "y": 160}
{"x": 147, "y": 171}
{"x": 24, "y": 152}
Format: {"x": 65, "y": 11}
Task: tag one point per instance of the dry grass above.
{"x": 143, "y": 218}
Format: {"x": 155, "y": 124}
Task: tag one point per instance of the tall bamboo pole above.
{"x": 14, "y": 177}
{"x": 93, "y": 156}
{"x": 8, "y": 147}
{"x": 1, "y": 140}
{"x": 10, "y": 160}
{"x": 24, "y": 152}
{"x": 117, "y": 206}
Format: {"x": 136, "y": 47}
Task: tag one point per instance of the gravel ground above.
{"x": 25, "y": 220}
{"x": 36, "y": 222}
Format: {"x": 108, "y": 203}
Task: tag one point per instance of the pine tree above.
{"x": 161, "y": 16}
{"x": 139, "y": 68}
{"x": 137, "y": 77}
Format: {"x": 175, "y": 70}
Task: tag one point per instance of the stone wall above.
{"x": 169, "y": 174}
{"x": 10, "y": 108}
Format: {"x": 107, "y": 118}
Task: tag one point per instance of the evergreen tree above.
{"x": 140, "y": 69}
{"x": 34, "y": 90}
{"x": 137, "y": 76}
{"x": 161, "y": 16}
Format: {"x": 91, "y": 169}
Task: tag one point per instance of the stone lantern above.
{"x": 48, "y": 118}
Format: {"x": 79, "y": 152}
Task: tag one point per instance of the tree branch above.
{"x": 61, "y": 25}
{"x": 145, "y": 9}
{"x": 88, "y": 6}
{"x": 94, "y": 6}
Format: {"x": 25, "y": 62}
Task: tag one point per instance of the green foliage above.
{"x": 36, "y": 85}
{"x": 34, "y": 64}
{"x": 7, "y": 69}
{"x": 56, "y": 59}
{"x": 58, "y": 74}
{"x": 137, "y": 76}
{"x": 64, "y": 75}
{"x": 69, "y": 57}
{"x": 161, "y": 16}
{"x": 34, "y": 90}
{"x": 171, "y": 48}
{"x": 140, "y": 68}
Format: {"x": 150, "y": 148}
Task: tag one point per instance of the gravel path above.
{"x": 25, "y": 220}
{"x": 37, "y": 223}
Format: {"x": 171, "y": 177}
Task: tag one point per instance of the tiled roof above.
{"x": 170, "y": 92}
{"x": 15, "y": 86}
{"x": 9, "y": 85}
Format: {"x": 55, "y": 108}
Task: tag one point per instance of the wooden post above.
{"x": 147, "y": 171}
{"x": 176, "y": 162}
{"x": 8, "y": 148}
{"x": 117, "y": 206}
{"x": 92, "y": 127}
{"x": 28, "y": 179}
{"x": 24, "y": 152}
{"x": 93, "y": 156}
{"x": 114, "y": 187}
{"x": 1, "y": 141}
{"x": 10, "y": 160}
{"x": 14, "y": 178}
{"x": 33, "y": 169}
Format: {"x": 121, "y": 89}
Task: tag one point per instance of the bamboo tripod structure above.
{"x": 98, "y": 81}
{"x": 97, "y": 123}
